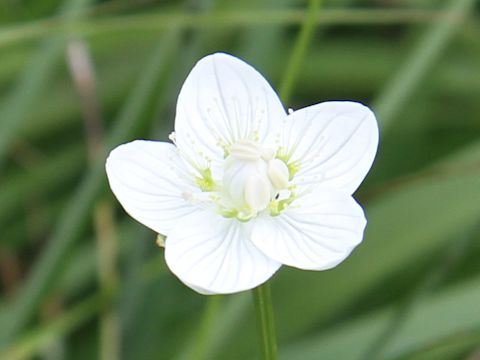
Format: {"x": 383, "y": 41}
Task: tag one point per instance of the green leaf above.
{"x": 449, "y": 313}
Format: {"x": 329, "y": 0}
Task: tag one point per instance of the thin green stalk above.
{"x": 299, "y": 51}
{"x": 266, "y": 328}
{"x": 156, "y": 21}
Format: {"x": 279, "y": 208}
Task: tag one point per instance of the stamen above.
{"x": 255, "y": 179}
{"x": 173, "y": 137}
{"x": 160, "y": 240}
{"x": 268, "y": 153}
{"x": 236, "y": 134}
{"x": 278, "y": 173}
{"x": 206, "y": 200}
{"x": 225, "y": 120}
{"x": 216, "y": 132}
{"x": 258, "y": 116}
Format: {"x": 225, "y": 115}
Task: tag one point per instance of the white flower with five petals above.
{"x": 246, "y": 187}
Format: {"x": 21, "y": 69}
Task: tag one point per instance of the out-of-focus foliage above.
{"x": 81, "y": 280}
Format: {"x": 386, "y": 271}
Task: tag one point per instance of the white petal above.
{"x": 148, "y": 178}
{"x": 223, "y": 100}
{"x": 334, "y": 143}
{"x": 213, "y": 255}
{"x": 316, "y": 233}
{"x": 200, "y": 290}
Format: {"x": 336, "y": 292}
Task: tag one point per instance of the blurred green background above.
{"x": 81, "y": 280}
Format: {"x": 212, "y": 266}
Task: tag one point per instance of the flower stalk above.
{"x": 266, "y": 328}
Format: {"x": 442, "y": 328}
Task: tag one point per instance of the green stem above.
{"x": 266, "y": 327}
{"x": 299, "y": 50}
{"x": 158, "y": 21}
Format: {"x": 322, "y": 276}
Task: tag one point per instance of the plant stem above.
{"x": 266, "y": 327}
{"x": 299, "y": 51}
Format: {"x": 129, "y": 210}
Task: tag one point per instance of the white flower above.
{"x": 247, "y": 187}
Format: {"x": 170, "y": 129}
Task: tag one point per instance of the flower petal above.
{"x": 148, "y": 179}
{"x": 213, "y": 254}
{"x": 334, "y": 143}
{"x": 223, "y": 100}
{"x": 317, "y": 232}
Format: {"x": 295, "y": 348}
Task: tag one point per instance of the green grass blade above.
{"x": 159, "y": 21}
{"x": 438, "y": 316}
{"x": 423, "y": 57}
{"x": 33, "y": 80}
{"x": 77, "y": 213}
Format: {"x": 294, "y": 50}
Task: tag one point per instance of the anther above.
{"x": 278, "y": 173}
{"x": 257, "y": 192}
{"x": 173, "y": 137}
{"x": 246, "y": 150}
{"x": 268, "y": 154}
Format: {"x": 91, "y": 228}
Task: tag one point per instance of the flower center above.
{"x": 253, "y": 178}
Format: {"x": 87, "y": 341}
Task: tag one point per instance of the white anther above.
{"x": 160, "y": 240}
{"x": 278, "y": 173}
{"x": 268, "y": 153}
{"x": 257, "y": 192}
{"x": 246, "y": 150}
{"x": 173, "y": 137}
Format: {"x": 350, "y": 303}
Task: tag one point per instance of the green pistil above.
{"x": 206, "y": 182}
